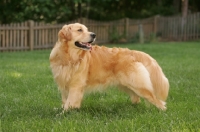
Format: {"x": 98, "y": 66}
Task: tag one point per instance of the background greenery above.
{"x": 64, "y": 10}
{"x": 30, "y": 101}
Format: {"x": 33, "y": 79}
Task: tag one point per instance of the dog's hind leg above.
{"x": 149, "y": 96}
{"x": 138, "y": 80}
{"x": 135, "y": 99}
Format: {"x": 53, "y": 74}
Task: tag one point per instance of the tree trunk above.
{"x": 184, "y": 8}
{"x": 184, "y": 15}
{"x": 79, "y": 10}
{"x": 88, "y": 8}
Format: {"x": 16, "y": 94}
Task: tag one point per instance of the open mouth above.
{"x": 84, "y": 45}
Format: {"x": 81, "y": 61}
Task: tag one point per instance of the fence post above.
{"x": 83, "y": 20}
{"x": 126, "y": 28}
{"x": 78, "y": 20}
{"x": 141, "y": 34}
{"x": 31, "y": 33}
{"x": 155, "y": 24}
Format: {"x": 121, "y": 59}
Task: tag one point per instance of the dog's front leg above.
{"x": 64, "y": 94}
{"x": 74, "y": 98}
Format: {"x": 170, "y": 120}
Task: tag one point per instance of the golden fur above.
{"x": 77, "y": 69}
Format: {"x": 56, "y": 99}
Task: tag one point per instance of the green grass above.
{"x": 30, "y": 101}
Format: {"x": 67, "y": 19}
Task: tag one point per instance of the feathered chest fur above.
{"x": 67, "y": 70}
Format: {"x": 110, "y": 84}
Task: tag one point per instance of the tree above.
{"x": 37, "y": 10}
{"x": 61, "y": 11}
{"x": 10, "y": 11}
{"x": 184, "y": 8}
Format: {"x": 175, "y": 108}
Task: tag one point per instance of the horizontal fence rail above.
{"x": 32, "y": 35}
{"x": 178, "y": 28}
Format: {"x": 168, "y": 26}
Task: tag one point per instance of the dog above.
{"x": 78, "y": 66}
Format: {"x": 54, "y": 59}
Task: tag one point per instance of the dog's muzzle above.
{"x": 86, "y": 45}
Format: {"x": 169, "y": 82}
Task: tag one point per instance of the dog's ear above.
{"x": 65, "y": 33}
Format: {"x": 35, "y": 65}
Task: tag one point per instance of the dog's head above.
{"x": 77, "y": 35}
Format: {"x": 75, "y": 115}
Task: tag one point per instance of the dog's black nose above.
{"x": 93, "y": 35}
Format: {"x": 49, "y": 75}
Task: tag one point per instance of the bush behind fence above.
{"x": 32, "y": 35}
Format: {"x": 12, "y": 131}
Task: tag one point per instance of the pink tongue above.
{"x": 87, "y": 44}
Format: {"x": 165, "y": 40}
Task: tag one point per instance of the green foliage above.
{"x": 65, "y": 10}
{"x": 37, "y": 10}
{"x": 151, "y": 38}
{"x": 115, "y": 36}
{"x": 30, "y": 101}
{"x": 135, "y": 38}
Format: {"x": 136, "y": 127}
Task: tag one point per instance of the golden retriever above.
{"x": 77, "y": 66}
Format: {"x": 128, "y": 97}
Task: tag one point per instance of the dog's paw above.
{"x": 162, "y": 106}
{"x": 135, "y": 100}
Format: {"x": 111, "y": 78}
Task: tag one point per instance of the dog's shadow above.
{"x": 114, "y": 110}
{"x": 100, "y": 105}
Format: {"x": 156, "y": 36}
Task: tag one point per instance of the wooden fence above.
{"x": 33, "y": 35}
{"x": 27, "y": 36}
{"x": 178, "y": 28}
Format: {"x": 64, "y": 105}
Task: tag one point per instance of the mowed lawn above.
{"x": 30, "y": 101}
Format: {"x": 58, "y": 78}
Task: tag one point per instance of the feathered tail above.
{"x": 159, "y": 81}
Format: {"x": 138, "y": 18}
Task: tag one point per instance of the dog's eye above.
{"x": 80, "y": 30}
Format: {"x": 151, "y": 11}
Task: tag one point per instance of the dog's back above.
{"x": 107, "y": 63}
{"x": 116, "y": 65}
